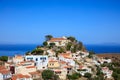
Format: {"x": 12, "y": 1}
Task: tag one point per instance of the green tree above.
{"x": 37, "y": 51}
{"x": 4, "y": 58}
{"x": 80, "y": 45}
{"x": 87, "y": 75}
{"x": 68, "y": 47}
{"x": 48, "y": 37}
{"x": 115, "y": 75}
{"x": 91, "y": 53}
{"x": 47, "y": 74}
{"x": 45, "y": 43}
{"x": 28, "y": 53}
{"x": 52, "y": 45}
{"x": 71, "y": 38}
{"x": 74, "y": 76}
{"x": 56, "y": 77}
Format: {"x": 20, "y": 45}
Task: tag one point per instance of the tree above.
{"x": 74, "y": 76}
{"x": 56, "y": 77}
{"x": 4, "y": 58}
{"x": 91, "y": 53}
{"x": 28, "y": 53}
{"x": 45, "y": 43}
{"x": 47, "y": 74}
{"x": 80, "y": 45}
{"x": 87, "y": 75}
{"x": 52, "y": 44}
{"x": 115, "y": 75}
{"x": 37, "y": 51}
{"x": 71, "y": 38}
{"x": 68, "y": 47}
{"x": 48, "y": 37}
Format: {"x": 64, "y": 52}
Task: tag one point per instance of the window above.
{"x": 44, "y": 58}
{"x": 40, "y": 58}
{"x": 29, "y": 58}
{"x": 36, "y": 59}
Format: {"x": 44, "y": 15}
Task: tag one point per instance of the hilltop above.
{"x": 63, "y": 58}
{"x": 59, "y": 45}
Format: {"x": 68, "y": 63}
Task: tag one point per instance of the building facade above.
{"x": 41, "y": 61}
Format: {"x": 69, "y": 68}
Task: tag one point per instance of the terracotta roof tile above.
{"x": 67, "y": 66}
{"x": 57, "y": 39}
{"x": 5, "y": 71}
{"x": 18, "y": 76}
{"x": 34, "y": 73}
{"x": 2, "y": 67}
{"x": 31, "y": 67}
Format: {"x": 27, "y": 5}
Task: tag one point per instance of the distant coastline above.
{"x": 11, "y": 50}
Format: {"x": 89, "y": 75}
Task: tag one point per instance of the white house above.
{"x": 107, "y": 72}
{"x": 41, "y": 61}
{"x": 107, "y": 60}
{"x": 82, "y": 69}
{"x": 59, "y": 41}
{"x": 67, "y": 57}
{"x": 83, "y": 54}
{"x": 76, "y": 56}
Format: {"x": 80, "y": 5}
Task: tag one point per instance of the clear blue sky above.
{"x": 90, "y": 21}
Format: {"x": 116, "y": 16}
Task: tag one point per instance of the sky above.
{"x": 90, "y": 21}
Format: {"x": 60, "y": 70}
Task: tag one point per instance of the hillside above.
{"x": 114, "y": 57}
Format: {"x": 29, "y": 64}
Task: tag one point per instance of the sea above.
{"x": 21, "y": 49}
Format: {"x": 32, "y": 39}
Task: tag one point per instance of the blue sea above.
{"x": 21, "y": 49}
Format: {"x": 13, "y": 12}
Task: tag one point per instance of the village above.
{"x": 64, "y": 62}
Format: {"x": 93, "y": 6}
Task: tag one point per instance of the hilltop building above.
{"x": 58, "y": 41}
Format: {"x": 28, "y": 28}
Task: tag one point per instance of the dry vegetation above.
{"x": 114, "y": 57}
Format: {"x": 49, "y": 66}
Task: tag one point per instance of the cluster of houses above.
{"x": 29, "y": 67}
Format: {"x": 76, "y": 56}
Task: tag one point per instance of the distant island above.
{"x": 63, "y": 58}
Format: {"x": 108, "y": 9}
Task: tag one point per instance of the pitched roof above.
{"x": 56, "y": 39}
{"x": 63, "y": 62}
{"x": 53, "y": 61}
{"x": 18, "y": 76}
{"x": 31, "y": 67}
{"x": 2, "y": 67}
{"x": 34, "y": 73}
{"x": 19, "y": 57}
{"x": 5, "y": 71}
{"x": 66, "y": 55}
{"x": 57, "y": 70}
{"x": 68, "y": 66}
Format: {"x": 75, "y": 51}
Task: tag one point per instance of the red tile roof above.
{"x": 2, "y": 67}
{"x": 53, "y": 61}
{"x": 62, "y": 62}
{"x": 34, "y": 73}
{"x": 3, "y": 70}
{"x": 31, "y": 67}
{"x": 18, "y": 76}
{"x": 67, "y": 66}
{"x": 57, "y": 39}
{"x": 57, "y": 70}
